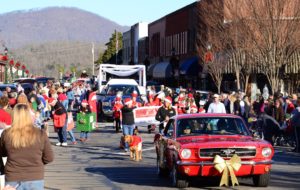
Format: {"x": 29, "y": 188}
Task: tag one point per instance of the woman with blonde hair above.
{"x": 27, "y": 149}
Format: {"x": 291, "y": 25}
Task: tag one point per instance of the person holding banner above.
{"x": 164, "y": 113}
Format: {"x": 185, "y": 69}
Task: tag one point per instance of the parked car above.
{"x": 190, "y": 143}
{"x": 25, "y": 80}
{"x": 44, "y": 80}
{"x": 11, "y": 86}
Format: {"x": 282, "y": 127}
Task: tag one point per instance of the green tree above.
{"x": 113, "y": 46}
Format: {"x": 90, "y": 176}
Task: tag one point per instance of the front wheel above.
{"x": 261, "y": 180}
{"x": 177, "y": 180}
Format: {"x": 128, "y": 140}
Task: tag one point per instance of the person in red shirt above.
{"x": 289, "y": 106}
{"x": 5, "y": 117}
{"x": 62, "y": 97}
{"x": 134, "y": 102}
{"x": 181, "y": 104}
{"x": 150, "y": 100}
{"x": 117, "y": 112}
{"x": 12, "y": 99}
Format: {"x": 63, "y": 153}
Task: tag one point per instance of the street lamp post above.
{"x": 93, "y": 54}
{"x": 5, "y": 68}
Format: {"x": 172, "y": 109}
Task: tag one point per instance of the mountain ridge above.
{"x": 40, "y": 25}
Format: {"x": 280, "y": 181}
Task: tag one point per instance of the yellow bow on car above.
{"x": 232, "y": 165}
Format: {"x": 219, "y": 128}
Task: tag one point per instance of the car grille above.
{"x": 227, "y": 152}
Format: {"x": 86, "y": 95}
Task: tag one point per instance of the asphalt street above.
{"x": 101, "y": 164}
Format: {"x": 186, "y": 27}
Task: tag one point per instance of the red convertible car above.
{"x": 206, "y": 145}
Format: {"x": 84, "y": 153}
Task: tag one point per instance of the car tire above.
{"x": 261, "y": 180}
{"x": 177, "y": 179}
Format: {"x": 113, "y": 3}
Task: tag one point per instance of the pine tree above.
{"x": 109, "y": 55}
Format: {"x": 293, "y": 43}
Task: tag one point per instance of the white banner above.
{"x": 144, "y": 116}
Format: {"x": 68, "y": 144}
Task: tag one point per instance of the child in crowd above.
{"x": 38, "y": 120}
{"x": 85, "y": 109}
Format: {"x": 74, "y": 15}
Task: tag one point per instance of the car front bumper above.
{"x": 206, "y": 168}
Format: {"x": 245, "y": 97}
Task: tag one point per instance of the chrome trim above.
{"x": 209, "y": 163}
{"x": 245, "y": 147}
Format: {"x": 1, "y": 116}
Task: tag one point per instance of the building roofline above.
{"x": 174, "y": 12}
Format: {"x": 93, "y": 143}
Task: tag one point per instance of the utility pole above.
{"x": 93, "y": 53}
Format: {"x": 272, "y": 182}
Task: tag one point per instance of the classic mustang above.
{"x": 200, "y": 145}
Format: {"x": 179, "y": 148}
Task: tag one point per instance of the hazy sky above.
{"x": 124, "y": 12}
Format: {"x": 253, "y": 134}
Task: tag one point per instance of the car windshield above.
{"x": 124, "y": 89}
{"x": 210, "y": 126}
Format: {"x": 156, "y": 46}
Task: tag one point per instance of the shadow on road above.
{"x": 145, "y": 176}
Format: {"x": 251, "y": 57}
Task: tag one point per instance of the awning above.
{"x": 150, "y": 69}
{"x": 162, "y": 70}
{"x": 190, "y": 67}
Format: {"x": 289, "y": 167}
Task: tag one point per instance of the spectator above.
{"x": 59, "y": 110}
{"x": 27, "y": 149}
{"x": 4, "y": 104}
{"x": 278, "y": 113}
{"x": 216, "y": 106}
{"x": 289, "y": 106}
{"x": 5, "y": 117}
{"x": 295, "y": 122}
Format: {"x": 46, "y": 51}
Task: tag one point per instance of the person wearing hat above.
{"x": 59, "y": 109}
{"x": 127, "y": 119}
{"x": 181, "y": 104}
{"x": 117, "y": 112}
{"x": 134, "y": 95}
{"x": 164, "y": 113}
{"x": 150, "y": 100}
{"x": 84, "y": 108}
{"x": 216, "y": 106}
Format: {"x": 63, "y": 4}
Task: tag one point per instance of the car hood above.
{"x": 208, "y": 141}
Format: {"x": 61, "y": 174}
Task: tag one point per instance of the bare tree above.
{"x": 219, "y": 26}
{"x": 273, "y": 26}
{"x": 260, "y": 32}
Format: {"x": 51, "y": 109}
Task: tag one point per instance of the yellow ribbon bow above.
{"x": 232, "y": 165}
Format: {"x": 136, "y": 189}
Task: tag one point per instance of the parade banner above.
{"x": 144, "y": 116}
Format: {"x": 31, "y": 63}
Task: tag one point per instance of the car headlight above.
{"x": 186, "y": 153}
{"x": 105, "y": 104}
{"x": 266, "y": 152}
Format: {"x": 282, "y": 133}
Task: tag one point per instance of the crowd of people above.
{"x": 274, "y": 114}
{"x": 24, "y": 128}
